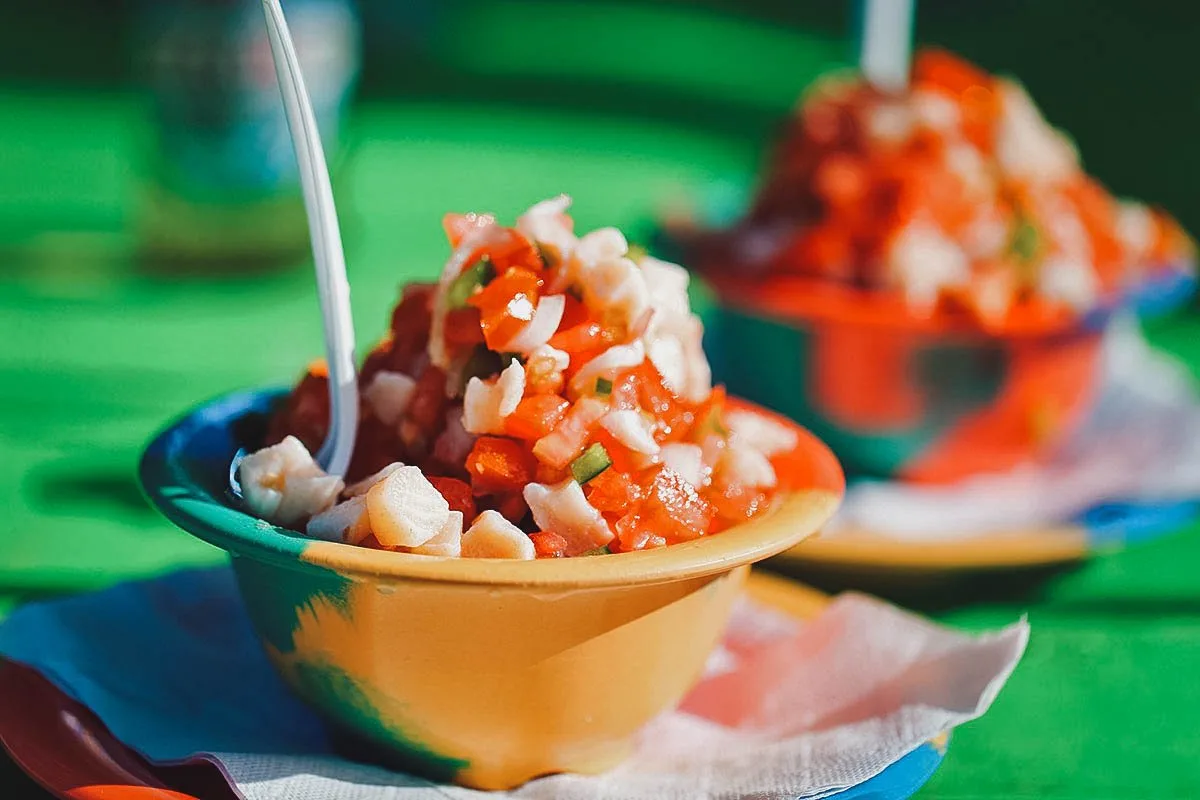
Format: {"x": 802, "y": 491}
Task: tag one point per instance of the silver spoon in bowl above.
{"x": 329, "y": 259}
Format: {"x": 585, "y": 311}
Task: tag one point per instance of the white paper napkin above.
{"x": 786, "y": 710}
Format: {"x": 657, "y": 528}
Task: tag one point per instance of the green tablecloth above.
{"x": 94, "y": 356}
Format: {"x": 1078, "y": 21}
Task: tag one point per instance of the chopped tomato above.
{"x": 536, "y": 416}
{"x": 626, "y": 394}
{"x": 567, "y": 440}
{"x": 674, "y": 507}
{"x": 635, "y": 532}
{"x": 548, "y": 545}
{"x": 507, "y": 305}
{"x": 510, "y": 505}
{"x": 498, "y": 465}
{"x": 574, "y": 313}
{"x": 583, "y": 342}
{"x": 458, "y": 495}
{"x": 612, "y": 491}
{"x": 673, "y": 415}
{"x": 427, "y": 408}
{"x": 464, "y": 327}
{"x": 305, "y": 414}
{"x": 736, "y": 502}
{"x": 512, "y": 249}
{"x": 412, "y": 319}
{"x": 940, "y": 68}
{"x": 376, "y": 446}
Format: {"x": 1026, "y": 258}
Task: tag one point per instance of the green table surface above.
{"x": 96, "y": 355}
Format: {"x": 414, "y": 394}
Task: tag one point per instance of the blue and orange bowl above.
{"x": 895, "y": 395}
{"x": 924, "y": 399}
{"x": 485, "y": 672}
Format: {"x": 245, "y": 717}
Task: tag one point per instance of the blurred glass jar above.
{"x": 221, "y": 188}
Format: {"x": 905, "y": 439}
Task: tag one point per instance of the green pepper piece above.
{"x": 472, "y": 278}
{"x": 1026, "y": 240}
{"x": 604, "y": 386}
{"x": 591, "y": 463}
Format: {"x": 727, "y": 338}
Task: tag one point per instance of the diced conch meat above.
{"x": 922, "y": 261}
{"x": 547, "y": 224}
{"x": 688, "y": 461}
{"x": 537, "y": 331}
{"x": 563, "y": 509}
{"x": 487, "y": 403}
{"x": 1135, "y": 228}
{"x": 406, "y": 510}
{"x": 1027, "y": 147}
{"x": 617, "y": 288}
{"x": 745, "y": 465}
{"x": 548, "y": 358}
{"x": 346, "y": 522}
{"x": 674, "y": 336}
{"x": 762, "y": 433}
{"x": 363, "y": 486}
{"x": 1069, "y": 281}
{"x": 493, "y": 536}
{"x": 615, "y": 359}
{"x": 389, "y": 394}
{"x": 283, "y": 484}
{"x": 632, "y": 429}
{"x": 448, "y": 542}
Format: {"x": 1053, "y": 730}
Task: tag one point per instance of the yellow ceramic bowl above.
{"x": 484, "y": 672}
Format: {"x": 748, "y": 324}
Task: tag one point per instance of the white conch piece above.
{"x": 332, "y": 287}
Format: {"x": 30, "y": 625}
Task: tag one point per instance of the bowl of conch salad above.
{"x": 923, "y": 277}
{"x": 547, "y": 495}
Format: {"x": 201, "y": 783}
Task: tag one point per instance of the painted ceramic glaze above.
{"x": 894, "y": 396}
{"x": 484, "y": 672}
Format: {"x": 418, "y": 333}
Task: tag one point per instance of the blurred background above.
{"x": 153, "y": 250}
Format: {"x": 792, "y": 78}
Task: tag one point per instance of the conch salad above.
{"x": 955, "y": 193}
{"x": 548, "y": 397}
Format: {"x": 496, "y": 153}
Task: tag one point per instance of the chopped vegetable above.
{"x": 498, "y": 465}
{"x": 555, "y": 407}
{"x": 492, "y": 536}
{"x": 593, "y": 461}
{"x": 405, "y": 509}
{"x": 472, "y": 279}
{"x": 548, "y": 545}
{"x": 955, "y": 190}
{"x": 536, "y": 416}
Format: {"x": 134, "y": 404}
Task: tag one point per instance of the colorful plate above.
{"x": 66, "y": 749}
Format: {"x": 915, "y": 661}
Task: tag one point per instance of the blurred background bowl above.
{"x": 929, "y": 400}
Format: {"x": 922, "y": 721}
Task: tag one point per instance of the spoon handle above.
{"x": 332, "y": 287}
{"x": 885, "y": 31}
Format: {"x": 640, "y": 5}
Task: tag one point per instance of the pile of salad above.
{"x": 957, "y": 193}
{"x": 547, "y": 397}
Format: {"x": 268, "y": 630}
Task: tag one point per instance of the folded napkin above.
{"x": 785, "y": 709}
{"x": 1139, "y": 448}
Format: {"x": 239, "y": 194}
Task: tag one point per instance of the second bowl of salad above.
{"x": 923, "y": 279}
